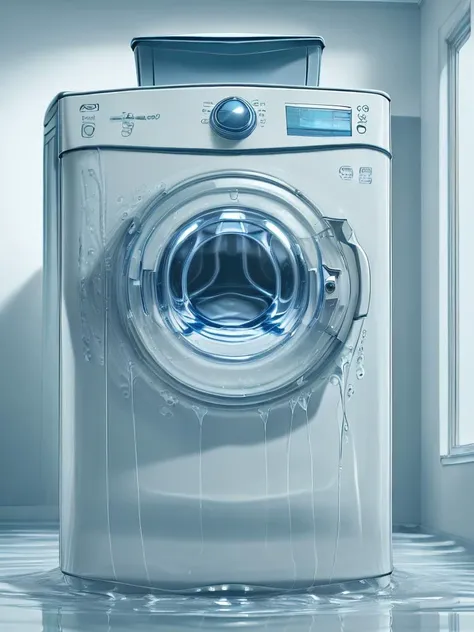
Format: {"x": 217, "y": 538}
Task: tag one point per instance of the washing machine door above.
{"x": 235, "y": 286}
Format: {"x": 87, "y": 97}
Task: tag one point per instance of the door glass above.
{"x": 233, "y": 276}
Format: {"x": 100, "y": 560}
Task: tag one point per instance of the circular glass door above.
{"x": 236, "y": 286}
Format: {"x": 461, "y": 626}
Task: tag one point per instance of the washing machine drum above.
{"x": 235, "y": 286}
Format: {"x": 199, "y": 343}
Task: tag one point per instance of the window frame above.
{"x": 454, "y": 35}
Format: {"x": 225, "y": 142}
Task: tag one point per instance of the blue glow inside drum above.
{"x": 230, "y": 277}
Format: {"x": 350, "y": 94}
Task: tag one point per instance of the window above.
{"x": 465, "y": 234}
{"x": 460, "y": 243}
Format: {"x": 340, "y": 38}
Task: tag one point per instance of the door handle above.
{"x": 345, "y": 234}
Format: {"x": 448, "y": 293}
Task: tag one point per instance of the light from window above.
{"x": 464, "y": 213}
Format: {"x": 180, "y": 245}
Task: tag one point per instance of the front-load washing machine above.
{"x": 217, "y": 284}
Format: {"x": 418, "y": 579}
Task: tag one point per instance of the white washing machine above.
{"x": 218, "y": 327}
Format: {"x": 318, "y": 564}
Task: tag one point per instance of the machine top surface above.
{"x": 230, "y": 38}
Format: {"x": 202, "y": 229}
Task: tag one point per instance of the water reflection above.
{"x": 432, "y": 590}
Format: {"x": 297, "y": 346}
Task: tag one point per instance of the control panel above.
{"x": 224, "y": 118}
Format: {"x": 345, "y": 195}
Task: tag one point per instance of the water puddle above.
{"x": 432, "y": 589}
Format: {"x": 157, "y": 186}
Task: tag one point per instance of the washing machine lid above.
{"x": 173, "y": 60}
{"x": 235, "y": 289}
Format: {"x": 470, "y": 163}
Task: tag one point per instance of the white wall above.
{"x": 49, "y": 46}
{"x": 446, "y": 490}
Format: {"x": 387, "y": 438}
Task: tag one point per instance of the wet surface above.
{"x": 432, "y": 589}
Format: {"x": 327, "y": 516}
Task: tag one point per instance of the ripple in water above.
{"x": 433, "y": 575}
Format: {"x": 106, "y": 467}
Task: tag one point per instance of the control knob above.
{"x": 233, "y": 118}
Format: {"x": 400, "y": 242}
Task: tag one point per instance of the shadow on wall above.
{"x": 20, "y": 396}
{"x": 406, "y": 323}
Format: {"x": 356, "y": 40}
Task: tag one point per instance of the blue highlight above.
{"x": 318, "y": 122}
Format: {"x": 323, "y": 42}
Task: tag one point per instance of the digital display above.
{"x": 315, "y": 121}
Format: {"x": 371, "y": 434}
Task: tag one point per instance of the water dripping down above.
{"x": 263, "y": 413}
{"x": 200, "y": 412}
{"x": 292, "y": 403}
{"x": 339, "y": 379}
{"x": 132, "y": 378}
{"x": 303, "y": 402}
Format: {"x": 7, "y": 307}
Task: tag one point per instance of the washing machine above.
{"x": 218, "y": 302}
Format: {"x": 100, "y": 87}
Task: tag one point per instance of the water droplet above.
{"x": 364, "y": 334}
{"x": 360, "y": 359}
{"x": 132, "y": 228}
{"x": 170, "y": 399}
{"x": 120, "y": 199}
{"x": 166, "y": 412}
{"x": 90, "y": 251}
{"x": 346, "y": 426}
{"x": 301, "y": 381}
{"x": 125, "y": 391}
{"x": 345, "y": 362}
{"x": 263, "y": 415}
{"x": 350, "y": 391}
{"x": 124, "y": 215}
{"x": 360, "y": 373}
{"x": 101, "y": 360}
{"x": 334, "y": 381}
{"x": 303, "y": 401}
{"x": 91, "y": 172}
{"x": 234, "y": 195}
{"x": 200, "y": 412}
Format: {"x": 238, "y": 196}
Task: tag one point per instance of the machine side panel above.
{"x": 84, "y": 398}
{"x": 50, "y": 333}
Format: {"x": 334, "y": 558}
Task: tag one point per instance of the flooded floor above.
{"x": 432, "y": 590}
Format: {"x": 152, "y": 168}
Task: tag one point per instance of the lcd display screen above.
{"x": 318, "y": 121}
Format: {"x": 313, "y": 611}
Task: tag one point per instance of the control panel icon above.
{"x": 88, "y": 130}
{"x": 89, "y": 107}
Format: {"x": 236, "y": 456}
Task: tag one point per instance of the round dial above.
{"x": 233, "y": 118}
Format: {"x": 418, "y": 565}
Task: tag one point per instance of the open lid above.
{"x": 191, "y": 59}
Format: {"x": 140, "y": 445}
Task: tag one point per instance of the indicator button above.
{"x": 361, "y": 129}
{"x": 88, "y": 130}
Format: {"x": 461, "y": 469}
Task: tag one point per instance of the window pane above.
{"x": 465, "y": 244}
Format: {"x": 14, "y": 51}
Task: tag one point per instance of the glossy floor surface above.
{"x": 432, "y": 590}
